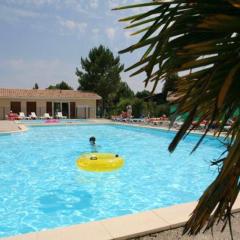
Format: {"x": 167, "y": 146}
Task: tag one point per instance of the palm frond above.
{"x": 201, "y": 39}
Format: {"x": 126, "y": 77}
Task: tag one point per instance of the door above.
{"x": 49, "y": 108}
{"x": 57, "y": 107}
{"x": 31, "y": 107}
{"x": 72, "y": 110}
{"x": 16, "y": 107}
{"x": 65, "y": 109}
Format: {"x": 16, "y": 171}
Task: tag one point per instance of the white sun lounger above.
{"x": 46, "y": 116}
{"x": 60, "y": 116}
{"x": 22, "y": 116}
{"x": 33, "y": 115}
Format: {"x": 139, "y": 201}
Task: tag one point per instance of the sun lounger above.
{"x": 33, "y": 115}
{"x": 116, "y": 118}
{"x": 161, "y": 123}
{"x": 226, "y": 127}
{"x": 46, "y": 116}
{"x": 137, "y": 120}
{"x": 60, "y": 116}
{"x": 22, "y": 116}
{"x": 178, "y": 124}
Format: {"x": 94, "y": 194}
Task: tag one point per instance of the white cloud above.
{"x": 110, "y": 33}
{"x": 117, "y": 3}
{"x": 95, "y": 31}
{"x": 14, "y": 14}
{"x": 32, "y": 2}
{"x": 73, "y": 25}
{"x": 40, "y": 2}
{"x": 93, "y": 3}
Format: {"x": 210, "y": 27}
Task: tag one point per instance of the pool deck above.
{"x": 16, "y": 126}
{"x": 123, "y": 227}
{"x": 11, "y": 127}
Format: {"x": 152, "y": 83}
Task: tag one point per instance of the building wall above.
{"x": 4, "y": 108}
{"x": 41, "y": 106}
{"x": 85, "y": 103}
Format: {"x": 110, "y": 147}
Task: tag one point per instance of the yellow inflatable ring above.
{"x": 100, "y": 162}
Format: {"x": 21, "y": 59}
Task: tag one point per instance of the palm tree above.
{"x": 200, "y": 39}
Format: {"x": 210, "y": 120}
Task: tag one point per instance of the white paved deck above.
{"x": 10, "y": 127}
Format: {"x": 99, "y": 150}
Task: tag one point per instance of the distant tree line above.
{"x": 62, "y": 85}
{"x": 100, "y": 73}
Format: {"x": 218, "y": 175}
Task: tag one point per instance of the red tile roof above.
{"x": 46, "y": 94}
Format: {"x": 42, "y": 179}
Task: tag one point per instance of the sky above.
{"x": 42, "y": 41}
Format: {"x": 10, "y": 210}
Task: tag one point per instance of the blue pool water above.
{"x": 42, "y": 188}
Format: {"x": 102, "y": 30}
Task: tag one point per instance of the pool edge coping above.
{"x": 122, "y": 227}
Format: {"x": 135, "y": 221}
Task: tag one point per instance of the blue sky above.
{"x": 43, "y": 40}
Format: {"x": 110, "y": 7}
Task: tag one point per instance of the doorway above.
{"x": 16, "y": 107}
{"x": 57, "y": 107}
{"x": 49, "y": 108}
{"x": 31, "y": 107}
{"x": 65, "y": 110}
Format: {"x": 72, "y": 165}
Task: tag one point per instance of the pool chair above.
{"x": 46, "y": 116}
{"x": 178, "y": 124}
{"x": 22, "y": 116}
{"x": 60, "y": 116}
{"x": 137, "y": 120}
{"x": 155, "y": 121}
{"x": 226, "y": 128}
{"x": 203, "y": 125}
{"x": 33, "y": 115}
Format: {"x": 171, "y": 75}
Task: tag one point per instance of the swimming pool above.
{"x": 42, "y": 188}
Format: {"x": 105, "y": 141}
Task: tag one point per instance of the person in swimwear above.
{"x": 92, "y": 141}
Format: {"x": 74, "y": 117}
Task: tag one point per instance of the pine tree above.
{"x": 101, "y": 74}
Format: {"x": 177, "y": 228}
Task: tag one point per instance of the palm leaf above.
{"x": 201, "y": 37}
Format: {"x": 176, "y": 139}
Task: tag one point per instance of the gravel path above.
{"x": 176, "y": 234}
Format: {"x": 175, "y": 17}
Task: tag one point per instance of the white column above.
{"x": 53, "y": 110}
{"x": 69, "y": 110}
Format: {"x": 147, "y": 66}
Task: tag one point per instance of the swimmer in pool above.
{"x": 92, "y": 141}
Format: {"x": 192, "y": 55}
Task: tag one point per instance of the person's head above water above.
{"x": 92, "y": 140}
